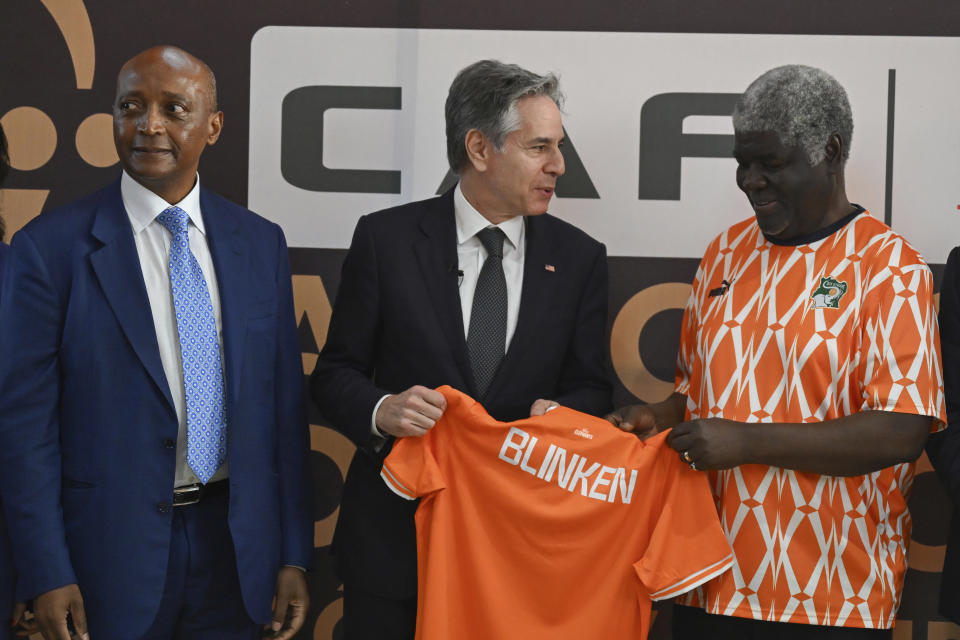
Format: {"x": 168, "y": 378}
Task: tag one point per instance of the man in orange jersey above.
{"x": 808, "y": 379}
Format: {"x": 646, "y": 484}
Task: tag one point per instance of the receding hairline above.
{"x": 176, "y": 57}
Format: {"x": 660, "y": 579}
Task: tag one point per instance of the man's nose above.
{"x": 751, "y": 179}
{"x": 556, "y": 165}
{"x": 151, "y": 122}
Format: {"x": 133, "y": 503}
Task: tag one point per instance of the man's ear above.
{"x": 833, "y": 152}
{"x": 215, "y": 125}
{"x": 478, "y": 149}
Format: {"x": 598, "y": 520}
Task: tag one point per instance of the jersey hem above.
{"x": 694, "y": 580}
{"x": 775, "y": 616}
{"x": 395, "y": 485}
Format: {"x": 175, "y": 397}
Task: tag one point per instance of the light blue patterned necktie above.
{"x": 199, "y": 351}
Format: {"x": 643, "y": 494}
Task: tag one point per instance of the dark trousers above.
{"x": 7, "y": 580}
{"x": 370, "y": 617}
{"x": 201, "y": 598}
{"x": 690, "y": 623}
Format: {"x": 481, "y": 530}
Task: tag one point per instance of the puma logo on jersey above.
{"x": 571, "y": 472}
{"x": 828, "y": 294}
{"x": 583, "y": 433}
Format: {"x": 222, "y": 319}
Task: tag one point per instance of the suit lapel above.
{"x": 538, "y": 286}
{"x": 117, "y": 267}
{"x": 437, "y": 254}
{"x": 231, "y": 261}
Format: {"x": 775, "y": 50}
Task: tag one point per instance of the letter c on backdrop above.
{"x": 625, "y": 336}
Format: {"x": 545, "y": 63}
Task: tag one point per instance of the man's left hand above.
{"x": 290, "y": 604}
{"x": 541, "y": 406}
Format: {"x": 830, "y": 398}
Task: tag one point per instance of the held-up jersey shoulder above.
{"x": 808, "y": 333}
{"x": 558, "y": 525}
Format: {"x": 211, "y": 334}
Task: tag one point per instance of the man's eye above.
{"x": 176, "y": 108}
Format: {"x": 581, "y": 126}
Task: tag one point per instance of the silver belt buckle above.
{"x": 187, "y": 495}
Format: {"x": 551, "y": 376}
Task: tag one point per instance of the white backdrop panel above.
{"x": 607, "y": 78}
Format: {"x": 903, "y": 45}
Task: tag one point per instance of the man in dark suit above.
{"x": 479, "y": 289}
{"x": 152, "y": 437}
{"x": 943, "y": 448}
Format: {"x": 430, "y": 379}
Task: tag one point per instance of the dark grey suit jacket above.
{"x": 397, "y": 322}
{"x": 943, "y": 448}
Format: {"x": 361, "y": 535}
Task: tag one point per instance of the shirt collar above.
{"x": 143, "y": 205}
{"x": 470, "y": 221}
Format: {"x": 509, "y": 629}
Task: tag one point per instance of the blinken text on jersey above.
{"x": 573, "y": 472}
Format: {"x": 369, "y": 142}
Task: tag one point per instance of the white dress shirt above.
{"x": 471, "y": 255}
{"x": 153, "y": 248}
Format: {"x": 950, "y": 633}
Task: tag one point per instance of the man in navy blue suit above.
{"x": 152, "y": 437}
{"x": 6, "y": 562}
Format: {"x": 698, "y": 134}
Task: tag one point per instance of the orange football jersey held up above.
{"x": 807, "y": 333}
{"x": 559, "y": 526}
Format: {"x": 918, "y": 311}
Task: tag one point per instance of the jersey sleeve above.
{"x": 710, "y": 265}
{"x": 688, "y": 338}
{"x": 687, "y": 546}
{"x": 900, "y": 359}
{"x": 411, "y": 470}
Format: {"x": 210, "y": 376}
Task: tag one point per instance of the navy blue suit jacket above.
{"x": 397, "y": 322}
{"x": 943, "y": 448}
{"x": 87, "y": 420}
{"x": 6, "y": 560}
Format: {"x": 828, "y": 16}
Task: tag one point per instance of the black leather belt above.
{"x": 194, "y": 493}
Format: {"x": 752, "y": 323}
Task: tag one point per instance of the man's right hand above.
{"x": 51, "y": 608}
{"x": 23, "y": 627}
{"x": 411, "y": 413}
{"x": 638, "y": 419}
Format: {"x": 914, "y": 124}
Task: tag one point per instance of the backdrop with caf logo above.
{"x": 335, "y": 109}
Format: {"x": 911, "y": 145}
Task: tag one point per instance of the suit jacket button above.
{"x": 163, "y": 507}
{"x": 169, "y": 444}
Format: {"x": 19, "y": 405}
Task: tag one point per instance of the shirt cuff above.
{"x": 374, "y": 431}
{"x": 379, "y": 437}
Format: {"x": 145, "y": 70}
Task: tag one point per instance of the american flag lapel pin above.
{"x": 550, "y": 268}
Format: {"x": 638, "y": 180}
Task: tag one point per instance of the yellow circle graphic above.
{"x": 95, "y": 140}
{"x": 31, "y": 137}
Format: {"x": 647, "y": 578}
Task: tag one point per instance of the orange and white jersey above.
{"x": 807, "y": 333}
{"x": 559, "y": 526}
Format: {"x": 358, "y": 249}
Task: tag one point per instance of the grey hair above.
{"x": 484, "y": 96}
{"x": 803, "y": 105}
